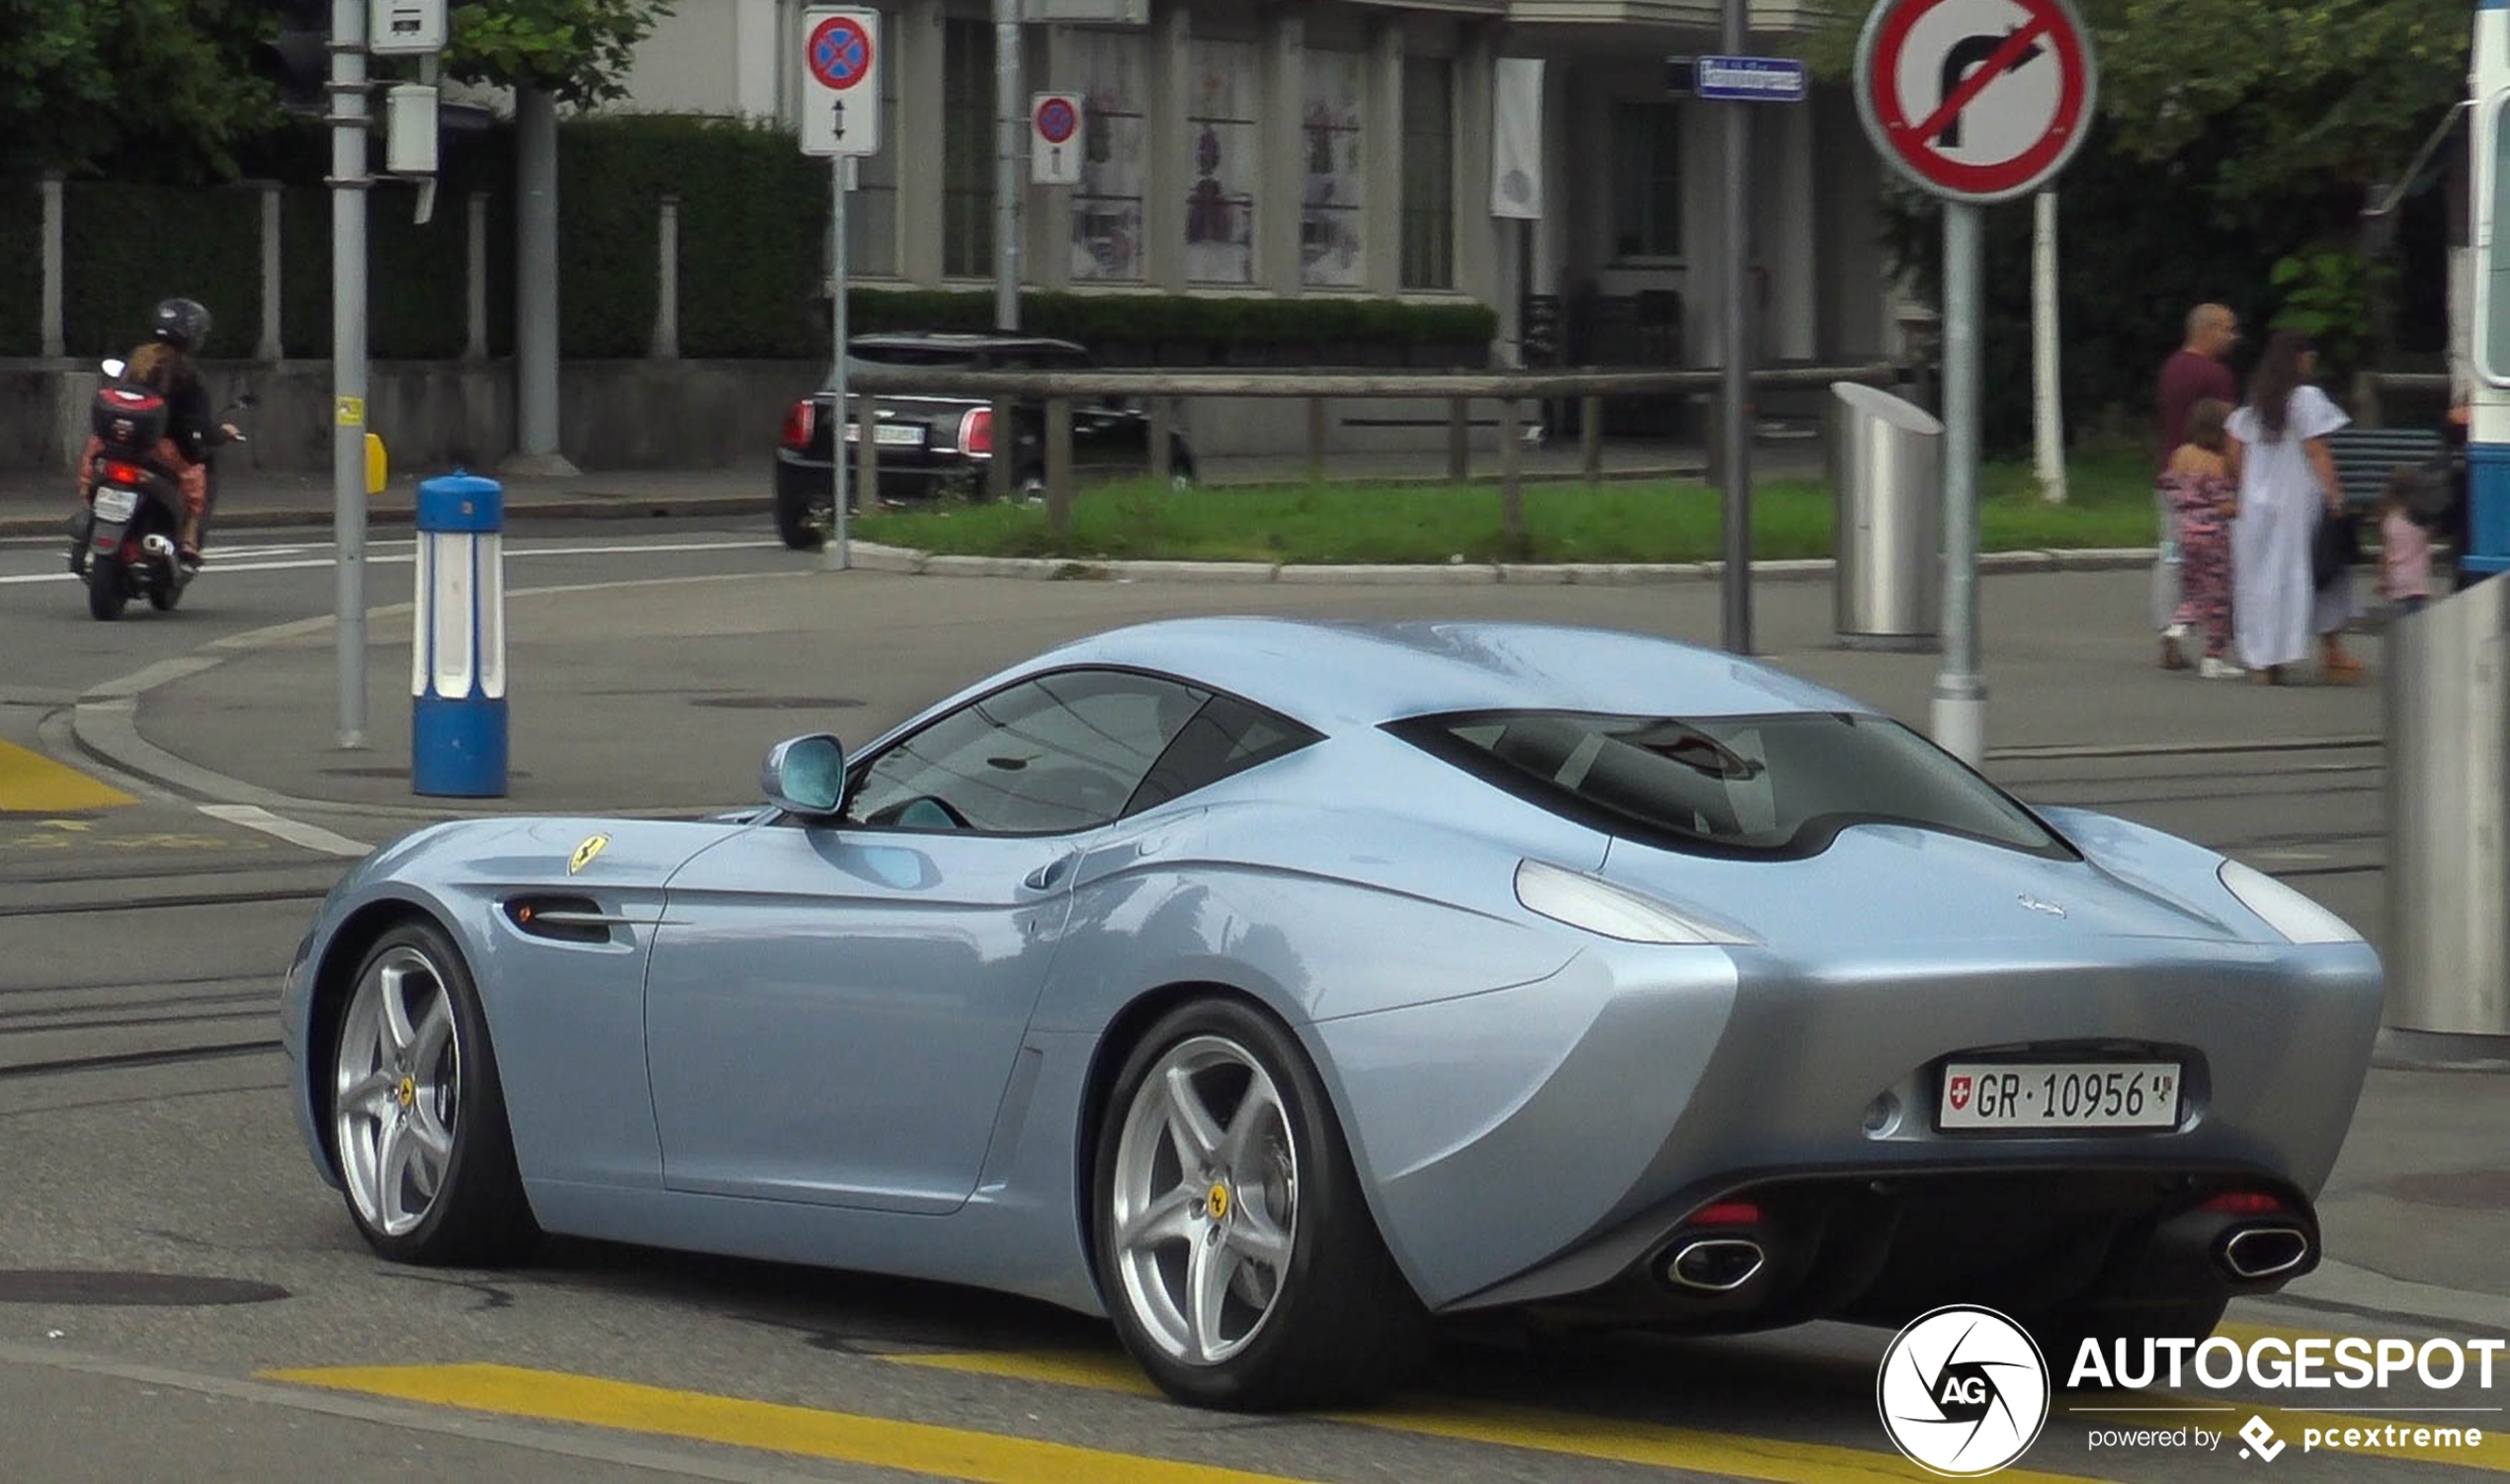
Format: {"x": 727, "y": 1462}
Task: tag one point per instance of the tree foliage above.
{"x": 576, "y": 49}
{"x": 158, "y": 89}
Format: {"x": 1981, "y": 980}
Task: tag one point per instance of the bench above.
{"x": 2365, "y": 455}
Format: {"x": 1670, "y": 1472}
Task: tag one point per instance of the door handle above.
{"x": 1045, "y": 878}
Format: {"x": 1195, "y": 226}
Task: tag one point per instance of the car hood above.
{"x": 1900, "y": 884}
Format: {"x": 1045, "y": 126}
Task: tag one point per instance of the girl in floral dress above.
{"x": 2198, "y": 482}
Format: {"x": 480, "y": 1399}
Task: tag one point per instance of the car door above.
{"x": 834, "y": 1008}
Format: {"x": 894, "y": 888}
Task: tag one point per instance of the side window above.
{"x": 1227, "y": 736}
{"x": 1047, "y": 756}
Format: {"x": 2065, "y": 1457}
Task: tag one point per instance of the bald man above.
{"x": 2196, "y": 371}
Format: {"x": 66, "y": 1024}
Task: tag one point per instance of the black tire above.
{"x": 106, "y": 595}
{"x": 164, "y": 593}
{"x": 1344, "y": 1324}
{"x": 796, "y": 523}
{"x": 479, "y": 1216}
{"x": 2060, "y": 1334}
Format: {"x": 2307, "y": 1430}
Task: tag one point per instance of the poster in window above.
{"x": 1110, "y": 72}
{"x": 1330, "y": 216}
{"x": 1220, "y": 215}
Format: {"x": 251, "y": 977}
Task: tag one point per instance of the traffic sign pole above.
{"x": 838, "y": 554}
{"x": 1960, "y": 716}
{"x": 349, "y": 183}
{"x": 1735, "y": 436}
{"x": 1976, "y": 102}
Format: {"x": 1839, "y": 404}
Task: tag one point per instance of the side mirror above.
{"x": 114, "y": 369}
{"x": 806, "y": 775}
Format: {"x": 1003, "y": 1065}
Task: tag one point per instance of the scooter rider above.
{"x": 177, "y": 330}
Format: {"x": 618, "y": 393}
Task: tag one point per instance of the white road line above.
{"x": 404, "y": 559}
{"x": 312, "y": 837}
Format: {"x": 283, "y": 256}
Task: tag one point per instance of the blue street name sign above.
{"x": 1750, "y": 79}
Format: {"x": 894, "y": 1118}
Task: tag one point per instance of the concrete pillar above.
{"x": 1170, "y": 168}
{"x": 757, "y": 47}
{"x": 55, "y": 264}
{"x": 917, "y": 52}
{"x": 1382, "y": 155}
{"x": 1476, "y": 233}
{"x": 666, "y": 299}
{"x": 1045, "y": 220}
{"x": 536, "y": 287}
{"x": 1785, "y": 236}
{"x": 270, "y": 347}
{"x": 1281, "y": 181}
{"x": 475, "y": 281}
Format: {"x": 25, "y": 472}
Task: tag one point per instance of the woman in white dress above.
{"x": 2288, "y": 484}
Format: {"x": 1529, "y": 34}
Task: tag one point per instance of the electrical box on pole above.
{"x": 405, "y": 27}
{"x": 409, "y": 129}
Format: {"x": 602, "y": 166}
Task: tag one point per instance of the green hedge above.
{"x": 125, "y": 247}
{"x": 753, "y": 223}
{"x": 21, "y": 266}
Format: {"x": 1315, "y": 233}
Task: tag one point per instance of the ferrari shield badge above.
{"x": 585, "y": 853}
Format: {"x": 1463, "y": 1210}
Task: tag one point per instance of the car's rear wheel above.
{"x": 1233, "y": 1244}
{"x": 800, "y": 521}
{"x": 418, "y": 1115}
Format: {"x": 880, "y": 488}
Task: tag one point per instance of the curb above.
{"x": 573, "y": 508}
{"x": 872, "y": 556}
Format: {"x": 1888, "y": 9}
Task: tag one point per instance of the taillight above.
{"x": 125, "y": 473}
{"x": 800, "y": 424}
{"x": 2244, "y": 1203}
{"x": 1727, "y": 1213}
{"x": 976, "y": 430}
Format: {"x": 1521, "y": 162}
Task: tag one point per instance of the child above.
{"x": 2198, "y": 482}
{"x": 2405, "y": 547}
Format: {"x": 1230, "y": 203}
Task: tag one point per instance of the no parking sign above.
{"x": 840, "y": 81}
{"x": 1054, "y": 139}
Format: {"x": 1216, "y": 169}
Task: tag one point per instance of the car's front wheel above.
{"x": 1233, "y": 1244}
{"x": 418, "y": 1115}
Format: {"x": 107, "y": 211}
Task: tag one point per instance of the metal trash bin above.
{"x": 2449, "y": 821}
{"x": 1887, "y": 467}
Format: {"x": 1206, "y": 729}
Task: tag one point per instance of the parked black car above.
{"x": 932, "y": 445}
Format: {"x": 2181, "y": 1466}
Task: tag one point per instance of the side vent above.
{"x": 566, "y": 919}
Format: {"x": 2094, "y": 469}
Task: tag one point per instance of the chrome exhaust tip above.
{"x": 1715, "y": 1265}
{"x": 2259, "y": 1252}
{"x": 156, "y": 545}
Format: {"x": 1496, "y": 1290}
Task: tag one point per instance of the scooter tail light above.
{"x": 125, "y": 473}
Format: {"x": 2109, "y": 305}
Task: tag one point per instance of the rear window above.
{"x": 1778, "y": 787}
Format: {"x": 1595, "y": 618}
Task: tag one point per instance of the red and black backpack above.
{"x": 130, "y": 416}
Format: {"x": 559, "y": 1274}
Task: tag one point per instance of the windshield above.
{"x": 1771, "y": 786}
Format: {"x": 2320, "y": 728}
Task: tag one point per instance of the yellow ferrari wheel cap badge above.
{"x": 584, "y": 854}
{"x": 1216, "y": 1204}
{"x": 407, "y": 1092}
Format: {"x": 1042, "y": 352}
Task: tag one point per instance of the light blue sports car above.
{"x": 1277, "y": 988}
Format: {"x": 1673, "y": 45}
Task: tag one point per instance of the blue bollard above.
{"x": 457, "y": 647}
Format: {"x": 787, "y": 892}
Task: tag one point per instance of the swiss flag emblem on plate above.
{"x": 1958, "y": 1092}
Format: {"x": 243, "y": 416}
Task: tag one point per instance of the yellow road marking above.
{"x": 1776, "y": 1460}
{"x": 32, "y": 783}
{"x": 874, "y": 1442}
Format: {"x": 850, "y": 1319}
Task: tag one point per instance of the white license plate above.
{"x": 890, "y": 436}
{"x": 2017, "y": 1095}
{"x": 115, "y": 504}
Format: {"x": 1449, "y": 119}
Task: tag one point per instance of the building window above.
{"x": 1329, "y": 237}
{"x": 1646, "y": 180}
{"x": 1219, "y": 210}
{"x": 1429, "y": 173}
{"x": 967, "y": 150}
{"x": 1110, "y": 72}
{"x": 871, "y": 209}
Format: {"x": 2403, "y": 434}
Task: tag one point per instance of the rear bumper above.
{"x": 801, "y": 482}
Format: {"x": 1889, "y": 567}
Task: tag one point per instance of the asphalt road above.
{"x": 181, "y": 1299}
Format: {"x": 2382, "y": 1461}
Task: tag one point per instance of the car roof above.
{"x": 1343, "y": 675}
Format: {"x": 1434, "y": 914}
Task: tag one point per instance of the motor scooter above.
{"x": 122, "y": 545}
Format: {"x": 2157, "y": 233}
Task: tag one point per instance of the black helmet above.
{"x": 181, "y": 323}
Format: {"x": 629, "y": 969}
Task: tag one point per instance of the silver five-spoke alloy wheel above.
{"x": 1205, "y": 1201}
{"x": 397, "y": 1090}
